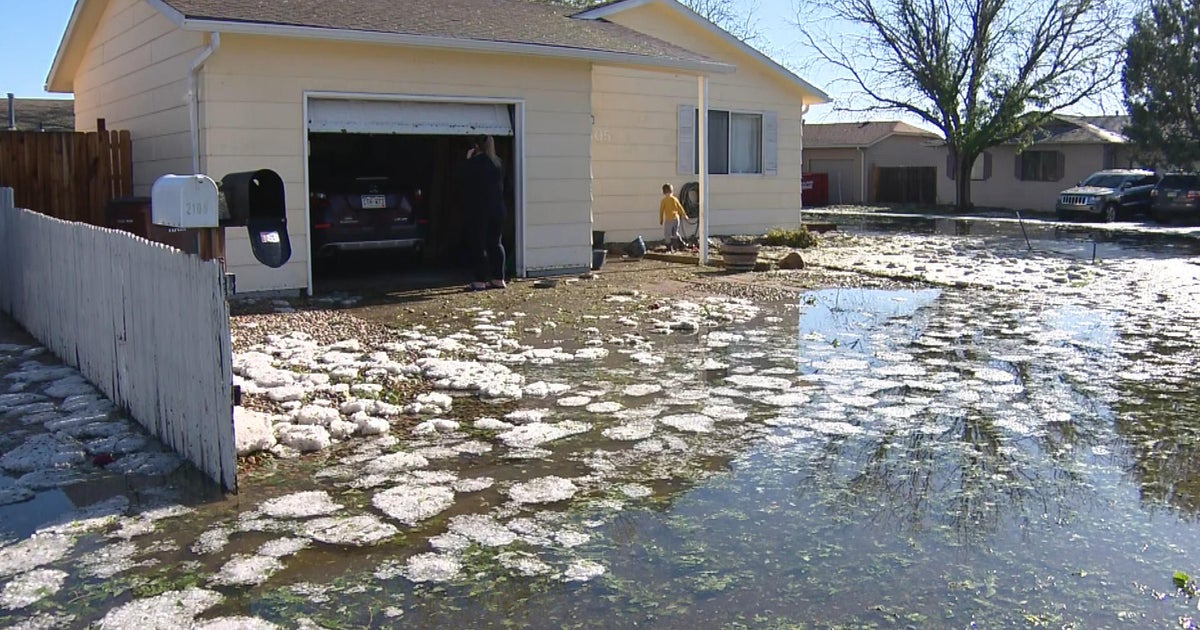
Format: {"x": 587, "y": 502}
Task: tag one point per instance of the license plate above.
{"x": 372, "y": 202}
{"x": 1171, "y": 194}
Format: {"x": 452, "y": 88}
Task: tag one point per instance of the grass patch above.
{"x": 800, "y": 239}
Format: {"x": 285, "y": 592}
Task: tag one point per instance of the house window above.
{"x": 1040, "y": 166}
{"x": 735, "y": 143}
{"x": 977, "y": 168}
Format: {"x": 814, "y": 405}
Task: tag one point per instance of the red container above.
{"x": 814, "y": 189}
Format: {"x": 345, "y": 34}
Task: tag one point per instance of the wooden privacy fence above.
{"x": 71, "y": 175}
{"x": 147, "y": 324}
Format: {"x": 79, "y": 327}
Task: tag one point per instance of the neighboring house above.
{"x": 1064, "y": 152}
{"x": 593, "y": 110}
{"x": 40, "y": 114}
{"x": 875, "y": 161}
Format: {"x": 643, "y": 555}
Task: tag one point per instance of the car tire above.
{"x": 1111, "y": 212}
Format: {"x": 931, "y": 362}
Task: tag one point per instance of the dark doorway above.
{"x": 425, "y": 167}
{"x": 905, "y": 184}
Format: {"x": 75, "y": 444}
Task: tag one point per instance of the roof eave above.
{"x": 450, "y": 43}
{"x": 54, "y": 81}
{"x": 819, "y": 96}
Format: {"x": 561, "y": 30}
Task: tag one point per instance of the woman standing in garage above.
{"x": 483, "y": 204}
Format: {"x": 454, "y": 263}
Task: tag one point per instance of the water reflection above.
{"x": 929, "y": 458}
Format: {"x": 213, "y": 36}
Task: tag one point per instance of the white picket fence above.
{"x": 145, "y": 323}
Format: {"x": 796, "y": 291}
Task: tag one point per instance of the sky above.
{"x": 31, "y": 30}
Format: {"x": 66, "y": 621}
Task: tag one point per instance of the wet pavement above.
{"x": 1009, "y": 440}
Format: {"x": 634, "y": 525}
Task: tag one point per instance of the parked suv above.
{"x": 1108, "y": 194}
{"x": 1177, "y": 196}
{"x": 367, "y": 213}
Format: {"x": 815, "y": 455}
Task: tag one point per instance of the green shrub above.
{"x": 741, "y": 239}
{"x": 800, "y": 239}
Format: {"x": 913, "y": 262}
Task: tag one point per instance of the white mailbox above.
{"x": 184, "y": 201}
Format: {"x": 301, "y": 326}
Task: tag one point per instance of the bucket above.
{"x": 597, "y": 239}
{"x": 598, "y": 256}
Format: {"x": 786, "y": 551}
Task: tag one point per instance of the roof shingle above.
{"x": 859, "y": 134}
{"x": 38, "y": 114}
{"x": 507, "y": 21}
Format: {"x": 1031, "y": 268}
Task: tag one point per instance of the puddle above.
{"x": 926, "y": 458}
{"x": 1083, "y": 240}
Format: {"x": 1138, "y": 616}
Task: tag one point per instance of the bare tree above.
{"x": 983, "y": 72}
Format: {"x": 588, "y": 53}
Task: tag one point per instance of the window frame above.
{"x": 1047, "y": 165}
{"x": 729, "y": 115}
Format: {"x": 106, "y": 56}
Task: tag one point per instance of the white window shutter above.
{"x": 770, "y": 143}
{"x": 686, "y": 160}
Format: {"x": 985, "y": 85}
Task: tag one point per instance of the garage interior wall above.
{"x": 253, "y": 99}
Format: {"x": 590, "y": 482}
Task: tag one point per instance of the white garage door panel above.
{"x": 408, "y": 117}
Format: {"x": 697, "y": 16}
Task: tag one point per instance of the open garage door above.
{"x": 384, "y": 189}
{"x": 427, "y": 118}
{"x": 843, "y": 179}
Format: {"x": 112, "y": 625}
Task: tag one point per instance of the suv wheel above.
{"x": 1110, "y": 213}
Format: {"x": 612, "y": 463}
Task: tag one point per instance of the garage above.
{"x": 383, "y": 189}
{"x": 843, "y": 179}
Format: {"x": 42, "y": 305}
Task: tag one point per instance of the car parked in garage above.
{"x": 1108, "y": 195}
{"x": 367, "y": 213}
{"x": 1176, "y": 197}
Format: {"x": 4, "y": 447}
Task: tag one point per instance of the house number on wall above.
{"x": 601, "y": 135}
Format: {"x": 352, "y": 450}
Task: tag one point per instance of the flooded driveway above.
{"x": 1011, "y": 442}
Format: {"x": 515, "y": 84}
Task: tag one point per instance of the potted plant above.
{"x": 740, "y": 253}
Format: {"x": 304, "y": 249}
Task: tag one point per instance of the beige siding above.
{"x": 1005, "y": 190}
{"x": 253, "y": 92}
{"x": 844, "y": 168}
{"x": 634, "y": 136}
{"x": 134, "y": 75}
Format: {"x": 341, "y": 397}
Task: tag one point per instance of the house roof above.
{"x": 1069, "y": 129}
{"x": 510, "y": 26}
{"x": 858, "y": 134}
{"x": 603, "y": 10}
{"x": 38, "y": 114}
{"x": 1086, "y": 130}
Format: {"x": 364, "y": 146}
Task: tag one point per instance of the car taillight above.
{"x": 321, "y": 226}
{"x": 1193, "y": 194}
{"x": 422, "y": 222}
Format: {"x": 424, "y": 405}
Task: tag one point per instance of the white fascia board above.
{"x": 62, "y": 47}
{"x": 450, "y": 43}
{"x": 168, "y": 11}
{"x": 618, "y": 7}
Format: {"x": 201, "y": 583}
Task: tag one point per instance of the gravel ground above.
{"x": 369, "y": 317}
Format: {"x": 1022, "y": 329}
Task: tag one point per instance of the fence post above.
{"x": 7, "y": 268}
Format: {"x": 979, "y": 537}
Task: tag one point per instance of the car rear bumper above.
{"x": 1177, "y": 210}
{"x": 360, "y": 246}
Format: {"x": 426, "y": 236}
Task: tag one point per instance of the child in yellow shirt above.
{"x": 670, "y": 213}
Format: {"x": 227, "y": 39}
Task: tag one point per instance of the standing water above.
{"x": 945, "y": 457}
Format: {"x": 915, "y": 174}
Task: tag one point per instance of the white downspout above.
{"x": 702, "y": 154}
{"x": 800, "y": 218}
{"x": 214, "y": 42}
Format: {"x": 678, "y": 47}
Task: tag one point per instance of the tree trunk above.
{"x": 962, "y": 182}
